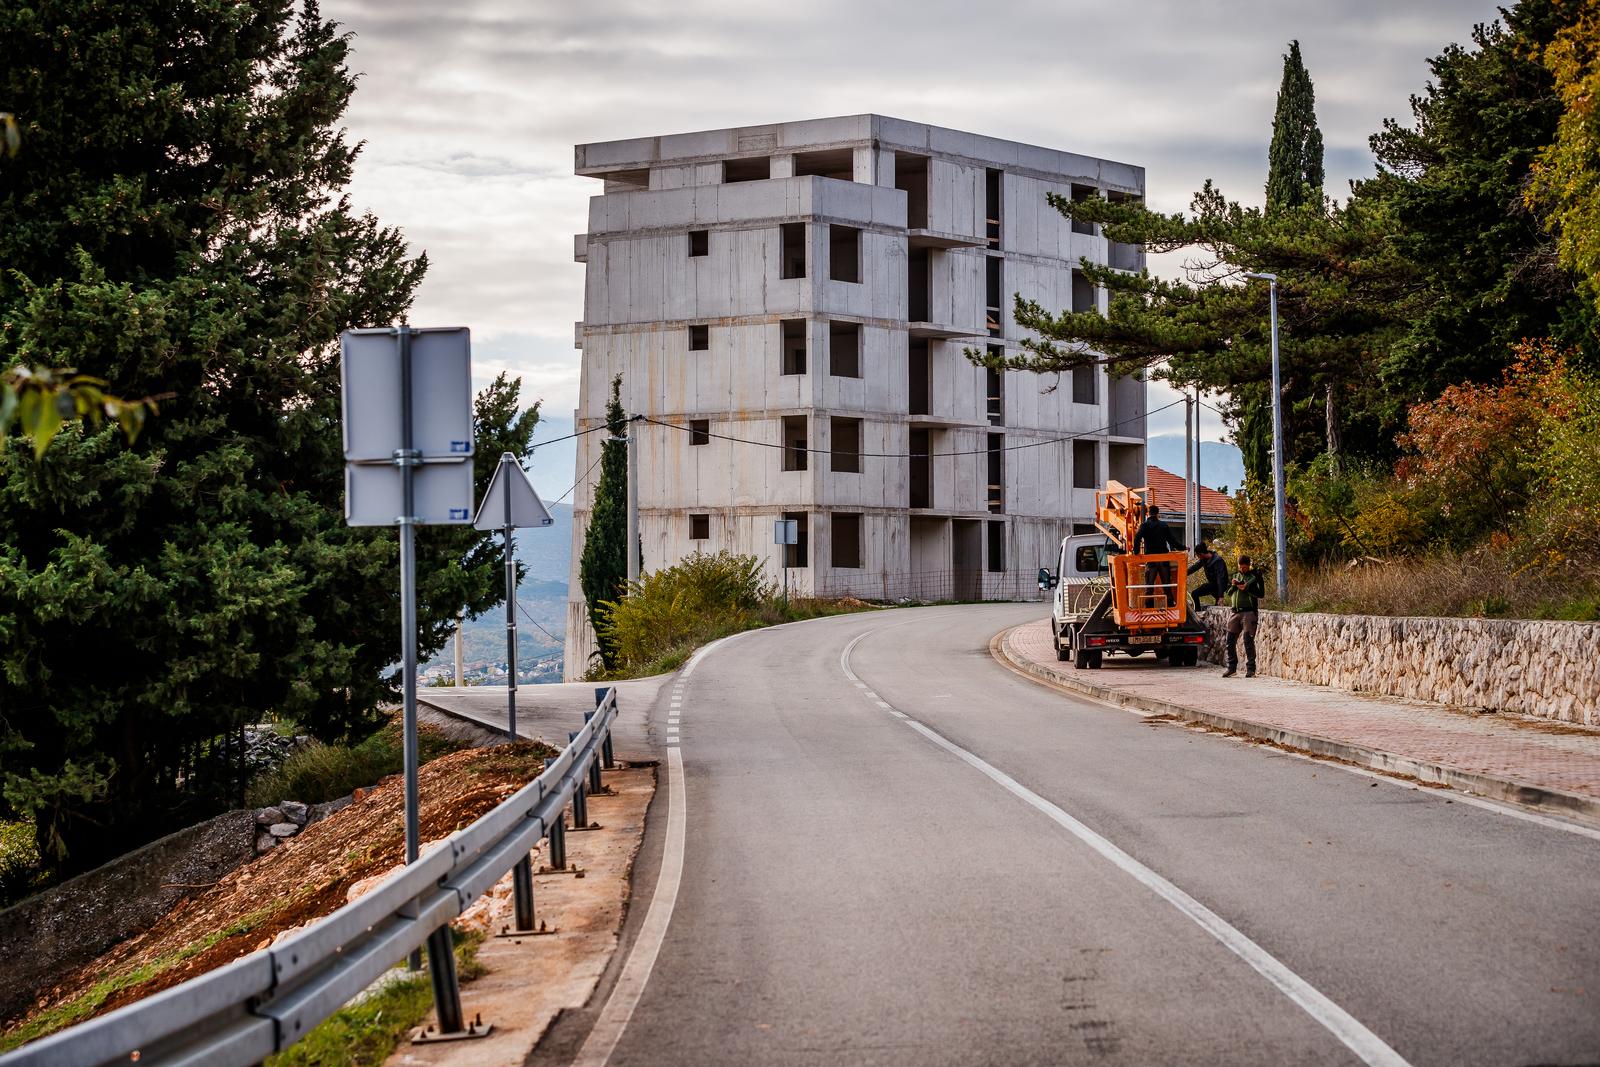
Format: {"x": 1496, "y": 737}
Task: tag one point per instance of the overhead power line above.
{"x": 894, "y": 455}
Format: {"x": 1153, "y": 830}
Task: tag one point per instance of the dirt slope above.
{"x": 306, "y": 877}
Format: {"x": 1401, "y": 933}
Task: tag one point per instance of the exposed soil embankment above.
{"x": 307, "y": 877}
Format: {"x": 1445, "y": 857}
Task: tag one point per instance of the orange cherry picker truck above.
{"x": 1107, "y": 599}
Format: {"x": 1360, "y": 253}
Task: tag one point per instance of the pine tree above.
{"x": 603, "y": 567}
{"x": 1294, "y": 159}
{"x": 175, "y": 223}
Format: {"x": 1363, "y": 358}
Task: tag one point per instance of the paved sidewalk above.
{"x": 1554, "y": 766}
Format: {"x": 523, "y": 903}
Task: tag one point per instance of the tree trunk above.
{"x": 1331, "y": 420}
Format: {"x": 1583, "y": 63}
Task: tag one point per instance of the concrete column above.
{"x": 782, "y": 167}
{"x": 866, "y": 166}
{"x": 885, "y": 167}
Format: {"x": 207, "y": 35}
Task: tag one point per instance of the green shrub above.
{"x": 22, "y": 871}
{"x": 670, "y": 613}
{"x": 318, "y": 772}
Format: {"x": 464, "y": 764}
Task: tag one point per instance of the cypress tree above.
{"x": 603, "y": 567}
{"x": 1294, "y": 160}
{"x": 176, "y": 223}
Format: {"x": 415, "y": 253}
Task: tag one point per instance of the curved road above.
{"x": 875, "y": 845}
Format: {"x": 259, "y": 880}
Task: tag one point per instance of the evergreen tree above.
{"x": 1454, "y": 183}
{"x": 1294, "y": 160}
{"x": 176, "y": 224}
{"x": 603, "y": 567}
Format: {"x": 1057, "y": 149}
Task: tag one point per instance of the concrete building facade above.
{"x": 791, "y": 306}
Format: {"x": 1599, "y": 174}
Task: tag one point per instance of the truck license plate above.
{"x": 1145, "y": 639}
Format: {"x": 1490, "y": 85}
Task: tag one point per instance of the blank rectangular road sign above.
{"x": 441, "y": 393}
{"x": 786, "y": 531}
{"x": 441, "y": 493}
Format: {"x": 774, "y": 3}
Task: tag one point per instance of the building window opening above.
{"x": 699, "y": 338}
{"x": 996, "y": 381}
{"x": 1085, "y": 472}
{"x": 798, "y": 554}
{"x": 994, "y": 181}
{"x": 747, "y": 170}
{"x": 1083, "y": 294}
{"x": 997, "y": 547}
{"x": 911, "y": 178}
{"x": 844, "y": 253}
{"x": 921, "y": 469}
{"x": 845, "y": 445}
{"x": 699, "y": 431}
{"x": 1083, "y": 384}
{"x": 699, "y": 243}
{"x": 846, "y": 540}
{"x": 794, "y": 346}
{"x": 794, "y": 442}
{"x": 699, "y": 527}
{"x": 919, "y": 284}
{"x": 994, "y": 286}
{"x": 844, "y": 349}
{"x": 1081, "y": 193}
{"x": 997, "y": 472}
{"x": 792, "y": 250}
{"x": 839, "y": 163}
{"x": 919, "y": 366}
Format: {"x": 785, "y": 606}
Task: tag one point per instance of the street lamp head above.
{"x": 1262, "y": 277}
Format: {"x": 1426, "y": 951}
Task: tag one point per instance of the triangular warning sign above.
{"x": 510, "y": 500}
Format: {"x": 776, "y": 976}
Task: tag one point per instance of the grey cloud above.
{"x": 470, "y": 110}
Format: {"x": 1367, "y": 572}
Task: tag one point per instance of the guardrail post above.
{"x": 522, "y": 898}
{"x": 595, "y": 785}
{"x": 558, "y": 844}
{"x": 446, "y": 989}
{"x": 606, "y": 754}
{"x": 580, "y": 808}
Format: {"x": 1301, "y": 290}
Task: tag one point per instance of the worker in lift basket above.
{"x": 1153, "y": 538}
{"x": 1244, "y": 597}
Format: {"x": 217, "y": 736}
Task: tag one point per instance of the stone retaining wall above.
{"x": 1548, "y": 669}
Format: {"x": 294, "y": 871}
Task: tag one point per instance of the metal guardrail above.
{"x": 263, "y": 1003}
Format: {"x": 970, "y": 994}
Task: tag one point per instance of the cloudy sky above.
{"x": 470, "y": 111}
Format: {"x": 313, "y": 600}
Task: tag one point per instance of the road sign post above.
{"x": 785, "y": 532}
{"x": 407, "y": 424}
{"x": 510, "y": 503}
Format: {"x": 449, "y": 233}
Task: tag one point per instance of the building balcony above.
{"x": 937, "y": 331}
{"x": 921, "y": 237}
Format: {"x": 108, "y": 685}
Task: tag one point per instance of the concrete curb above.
{"x": 1553, "y": 801}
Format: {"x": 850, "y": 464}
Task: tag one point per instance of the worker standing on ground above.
{"x": 1244, "y": 597}
{"x": 1215, "y": 569}
{"x": 1153, "y": 538}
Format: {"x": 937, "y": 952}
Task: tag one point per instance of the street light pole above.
{"x": 1281, "y": 532}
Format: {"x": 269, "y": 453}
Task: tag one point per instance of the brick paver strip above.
{"x": 1526, "y": 757}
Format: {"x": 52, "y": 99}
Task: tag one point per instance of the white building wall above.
{"x": 644, "y": 291}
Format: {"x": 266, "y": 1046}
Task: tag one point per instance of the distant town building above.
{"x": 792, "y": 302}
{"x": 1167, "y": 491}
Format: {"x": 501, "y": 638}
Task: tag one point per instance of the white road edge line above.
{"x": 624, "y": 999}
{"x": 1357, "y": 1038}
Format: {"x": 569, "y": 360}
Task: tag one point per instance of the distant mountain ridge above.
{"x": 1221, "y": 466}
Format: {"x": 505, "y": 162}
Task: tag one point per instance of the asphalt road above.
{"x": 1011, "y": 875}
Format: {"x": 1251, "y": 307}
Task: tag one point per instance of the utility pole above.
{"x": 1199, "y": 486}
{"x": 460, "y": 616}
{"x": 634, "y": 563}
{"x": 1188, "y": 471}
{"x": 1278, "y": 491}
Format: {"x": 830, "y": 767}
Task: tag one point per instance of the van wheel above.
{"x": 1063, "y": 653}
{"x": 1080, "y": 661}
{"x": 1094, "y": 660}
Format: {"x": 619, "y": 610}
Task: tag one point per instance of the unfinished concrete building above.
{"x": 794, "y": 301}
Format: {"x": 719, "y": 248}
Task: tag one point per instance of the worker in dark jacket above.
{"x": 1215, "y": 569}
{"x": 1153, "y": 538}
{"x": 1244, "y": 597}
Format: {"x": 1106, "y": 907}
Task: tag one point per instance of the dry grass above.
{"x": 1477, "y": 584}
